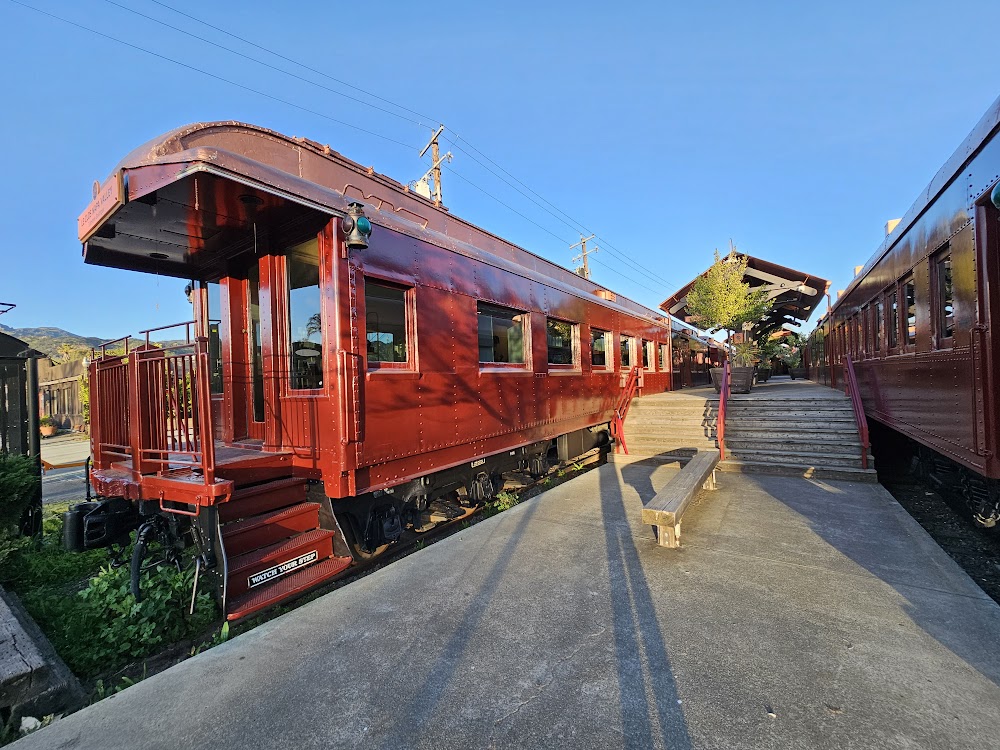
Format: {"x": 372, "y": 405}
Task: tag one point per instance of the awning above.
{"x": 795, "y": 294}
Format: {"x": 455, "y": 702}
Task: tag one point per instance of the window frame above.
{"x": 904, "y": 329}
{"x": 290, "y": 355}
{"x": 409, "y": 324}
{"x": 622, "y": 338}
{"x": 942, "y": 341}
{"x": 574, "y": 365}
{"x": 893, "y": 318}
{"x": 609, "y": 351}
{"x": 525, "y": 323}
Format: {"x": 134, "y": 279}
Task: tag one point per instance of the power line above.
{"x": 294, "y": 62}
{"x": 552, "y": 209}
{"x": 211, "y": 75}
{"x": 264, "y": 64}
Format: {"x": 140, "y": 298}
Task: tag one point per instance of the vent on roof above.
{"x": 605, "y": 294}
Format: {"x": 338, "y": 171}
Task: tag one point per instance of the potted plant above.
{"x": 768, "y": 350}
{"x": 791, "y": 355}
{"x": 47, "y": 427}
{"x": 719, "y": 300}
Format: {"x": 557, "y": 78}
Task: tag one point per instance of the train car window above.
{"x": 664, "y": 357}
{"x": 562, "y": 342}
{"x": 385, "y": 324}
{"x": 866, "y": 334}
{"x": 626, "y": 351}
{"x": 304, "y": 316}
{"x": 945, "y": 299}
{"x": 501, "y": 334}
{"x": 878, "y": 327}
{"x": 910, "y": 299}
{"x": 600, "y": 343}
{"x": 893, "y": 319}
{"x": 214, "y": 318}
{"x": 648, "y": 355}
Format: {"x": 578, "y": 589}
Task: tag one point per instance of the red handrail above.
{"x": 720, "y": 422}
{"x": 854, "y": 393}
{"x": 622, "y": 407}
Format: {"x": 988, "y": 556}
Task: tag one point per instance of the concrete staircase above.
{"x": 791, "y": 428}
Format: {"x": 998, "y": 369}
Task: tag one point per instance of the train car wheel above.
{"x": 354, "y": 537}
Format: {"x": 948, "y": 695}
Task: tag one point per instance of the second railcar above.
{"x": 919, "y": 324}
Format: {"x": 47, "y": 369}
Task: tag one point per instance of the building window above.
{"x": 626, "y": 351}
{"x": 304, "y": 317}
{"x": 599, "y": 345}
{"x": 501, "y": 334}
{"x": 664, "y": 357}
{"x": 561, "y": 337}
{"x": 385, "y": 324}
{"x": 910, "y": 299}
{"x": 893, "y": 319}
{"x": 945, "y": 299}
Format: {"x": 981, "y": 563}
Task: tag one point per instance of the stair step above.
{"x": 790, "y": 432}
{"x": 808, "y": 445}
{"x": 285, "y": 589}
{"x": 296, "y": 552}
{"x": 804, "y": 458}
{"x": 261, "y": 498}
{"x": 267, "y": 528}
{"x": 844, "y": 473}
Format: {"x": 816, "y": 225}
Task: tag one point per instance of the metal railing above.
{"x": 854, "y": 393}
{"x": 720, "y": 421}
{"x": 629, "y": 388}
{"x": 151, "y": 404}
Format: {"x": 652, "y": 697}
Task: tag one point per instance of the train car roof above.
{"x": 973, "y": 143}
{"x": 245, "y": 172}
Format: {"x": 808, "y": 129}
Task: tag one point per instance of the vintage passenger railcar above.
{"x": 359, "y": 359}
{"x": 917, "y": 324}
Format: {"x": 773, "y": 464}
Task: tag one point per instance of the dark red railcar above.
{"x": 917, "y": 324}
{"x": 332, "y": 375}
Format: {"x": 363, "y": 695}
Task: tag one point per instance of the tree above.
{"x": 719, "y": 299}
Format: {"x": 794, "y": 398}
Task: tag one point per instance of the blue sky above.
{"x": 666, "y": 129}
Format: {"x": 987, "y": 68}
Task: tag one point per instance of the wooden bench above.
{"x": 664, "y": 511}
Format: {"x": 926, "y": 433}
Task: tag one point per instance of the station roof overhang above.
{"x": 794, "y": 294}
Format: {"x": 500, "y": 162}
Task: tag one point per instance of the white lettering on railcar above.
{"x": 480, "y": 462}
{"x": 281, "y": 569}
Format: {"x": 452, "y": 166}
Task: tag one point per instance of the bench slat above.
{"x": 670, "y": 503}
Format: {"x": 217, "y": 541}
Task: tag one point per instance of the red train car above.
{"x": 917, "y": 324}
{"x": 358, "y": 356}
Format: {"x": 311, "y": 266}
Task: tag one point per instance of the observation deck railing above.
{"x": 720, "y": 421}
{"x": 633, "y": 382}
{"x": 151, "y": 405}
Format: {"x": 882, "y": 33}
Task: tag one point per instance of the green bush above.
{"x": 19, "y": 486}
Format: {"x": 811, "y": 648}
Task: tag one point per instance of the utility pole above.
{"x": 435, "y": 170}
{"x": 584, "y": 252}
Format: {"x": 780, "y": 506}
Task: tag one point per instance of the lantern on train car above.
{"x": 357, "y": 228}
{"x": 995, "y": 195}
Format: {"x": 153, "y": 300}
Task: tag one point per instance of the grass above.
{"x": 85, "y": 608}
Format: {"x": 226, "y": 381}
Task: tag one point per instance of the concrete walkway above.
{"x": 798, "y": 614}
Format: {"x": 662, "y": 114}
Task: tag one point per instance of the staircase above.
{"x": 274, "y": 545}
{"x": 791, "y": 428}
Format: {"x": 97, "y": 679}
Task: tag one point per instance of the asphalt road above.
{"x": 63, "y": 485}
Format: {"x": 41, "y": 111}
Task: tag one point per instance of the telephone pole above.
{"x": 584, "y": 252}
{"x": 435, "y": 170}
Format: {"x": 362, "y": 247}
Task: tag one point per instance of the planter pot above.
{"x": 798, "y": 372}
{"x": 716, "y": 373}
{"x": 741, "y": 379}
{"x": 763, "y": 375}
{"x": 48, "y": 430}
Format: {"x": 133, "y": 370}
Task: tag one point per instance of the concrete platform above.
{"x": 798, "y": 614}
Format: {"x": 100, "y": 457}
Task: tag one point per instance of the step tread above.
{"x": 247, "y": 560}
{"x": 847, "y": 473}
{"x": 235, "y": 528}
{"x": 275, "y": 484}
{"x": 286, "y": 588}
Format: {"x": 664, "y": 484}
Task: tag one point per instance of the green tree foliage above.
{"x": 18, "y": 487}
{"x": 719, "y": 299}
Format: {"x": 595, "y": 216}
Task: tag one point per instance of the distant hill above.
{"x": 49, "y": 340}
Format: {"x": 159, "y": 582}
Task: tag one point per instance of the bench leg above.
{"x": 710, "y": 482}
{"x": 669, "y": 536}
